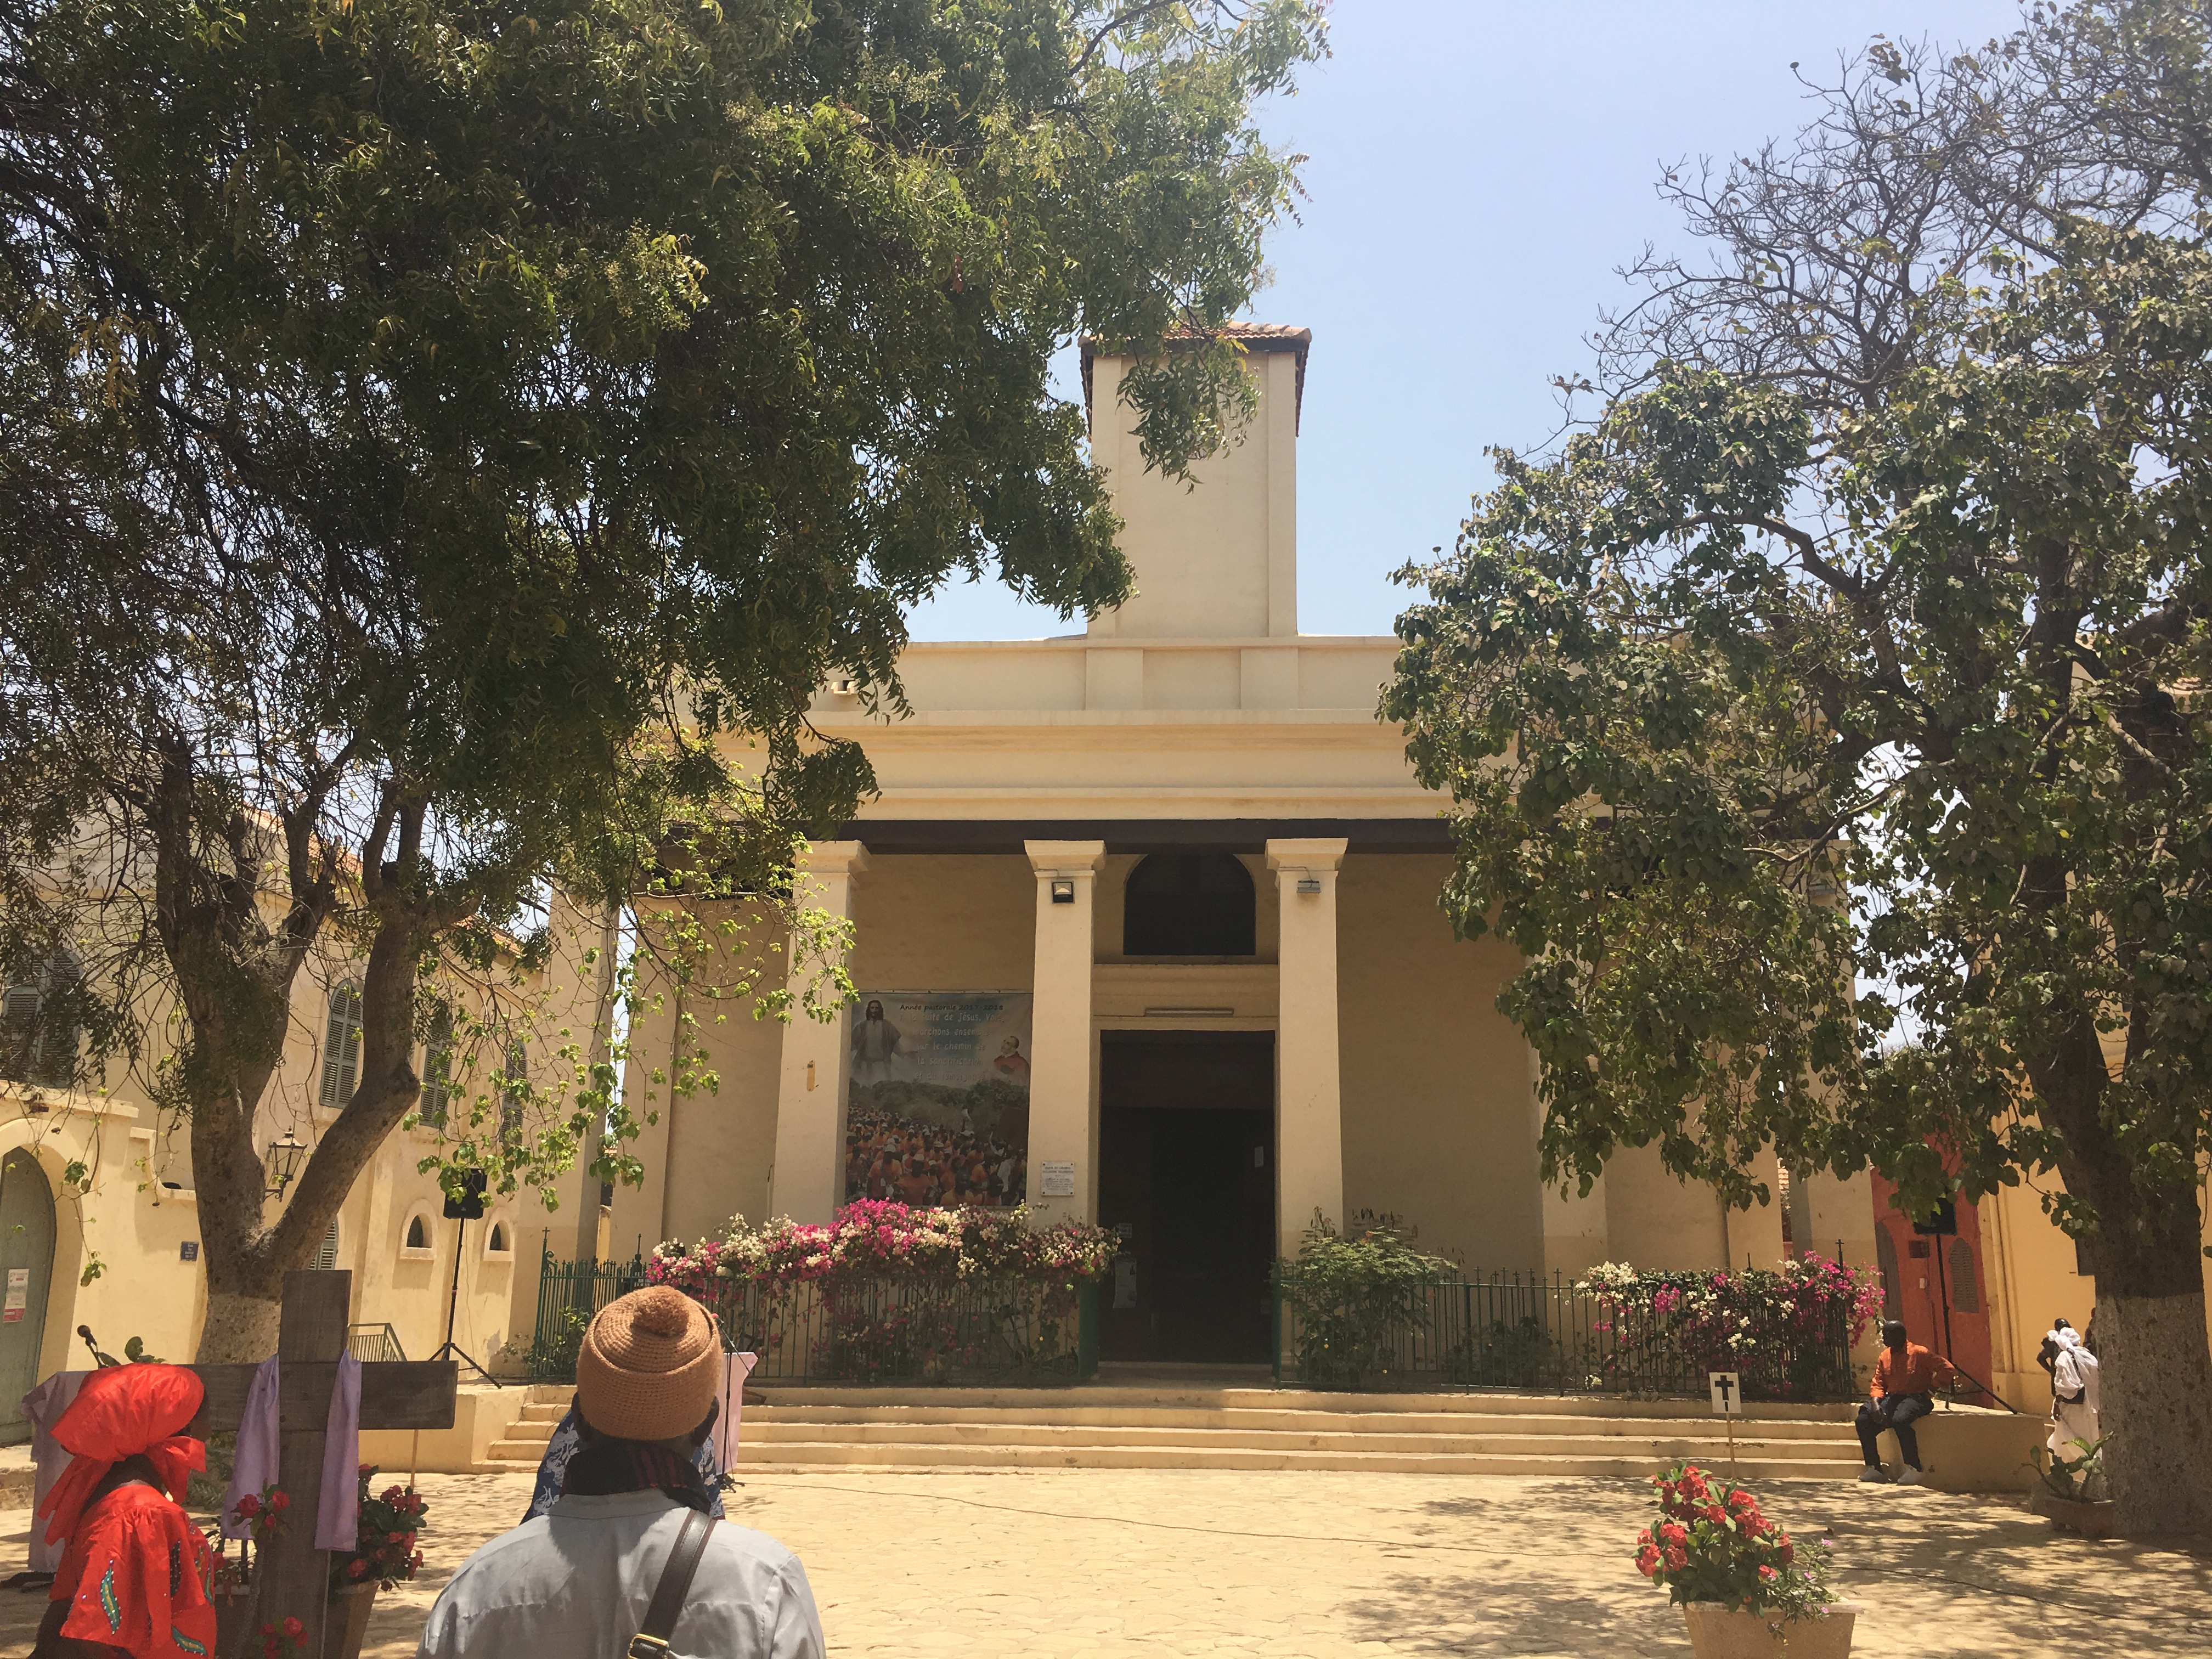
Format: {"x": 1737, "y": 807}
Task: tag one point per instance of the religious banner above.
{"x": 938, "y": 1107}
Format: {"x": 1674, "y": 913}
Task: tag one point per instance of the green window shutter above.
{"x": 327, "y": 1257}
{"x": 436, "y": 1099}
{"x": 39, "y": 1033}
{"x": 342, "y": 1047}
{"x": 19, "y": 1032}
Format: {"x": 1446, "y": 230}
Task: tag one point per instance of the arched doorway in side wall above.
{"x": 27, "y": 1267}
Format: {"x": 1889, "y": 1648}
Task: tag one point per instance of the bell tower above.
{"x": 1219, "y": 558}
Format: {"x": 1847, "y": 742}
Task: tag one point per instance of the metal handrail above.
{"x": 373, "y": 1343}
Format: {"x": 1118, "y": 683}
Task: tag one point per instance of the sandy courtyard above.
{"x": 1109, "y": 1564}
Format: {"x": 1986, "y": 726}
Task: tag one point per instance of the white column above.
{"x": 807, "y": 1183}
{"x": 1308, "y": 1084}
{"x": 1060, "y": 1130}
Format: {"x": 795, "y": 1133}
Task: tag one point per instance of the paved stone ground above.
{"x": 1100, "y": 1563}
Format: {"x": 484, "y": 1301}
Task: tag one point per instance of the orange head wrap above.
{"x": 125, "y": 1410}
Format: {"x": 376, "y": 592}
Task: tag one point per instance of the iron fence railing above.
{"x": 948, "y": 1333}
{"x": 568, "y": 1294}
{"x": 1533, "y": 1333}
{"x": 952, "y": 1333}
{"x": 373, "y": 1342}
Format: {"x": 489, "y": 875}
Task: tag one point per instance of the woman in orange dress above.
{"x": 138, "y": 1576}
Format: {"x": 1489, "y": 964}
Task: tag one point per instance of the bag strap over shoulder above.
{"x": 651, "y": 1640}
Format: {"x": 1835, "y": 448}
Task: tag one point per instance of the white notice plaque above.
{"x": 1058, "y": 1178}
{"x": 18, "y": 1296}
{"x": 1728, "y": 1392}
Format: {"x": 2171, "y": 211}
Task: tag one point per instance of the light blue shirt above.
{"x": 574, "y": 1584}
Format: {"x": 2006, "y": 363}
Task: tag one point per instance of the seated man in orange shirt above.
{"x": 1904, "y": 1377}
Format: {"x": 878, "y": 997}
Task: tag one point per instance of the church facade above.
{"x": 1145, "y": 931}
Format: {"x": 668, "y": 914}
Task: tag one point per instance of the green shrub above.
{"x": 1360, "y": 1299}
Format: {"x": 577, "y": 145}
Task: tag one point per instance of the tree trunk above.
{"x": 238, "y": 1328}
{"x": 2157, "y": 1374}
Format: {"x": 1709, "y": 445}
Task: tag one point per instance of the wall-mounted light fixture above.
{"x": 284, "y": 1159}
{"x": 1308, "y": 883}
{"x": 1063, "y": 890}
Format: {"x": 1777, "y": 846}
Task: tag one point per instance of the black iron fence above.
{"x": 568, "y": 1294}
{"x": 938, "y": 1331}
{"x": 954, "y": 1332}
{"x": 1521, "y": 1332}
{"x": 1530, "y": 1333}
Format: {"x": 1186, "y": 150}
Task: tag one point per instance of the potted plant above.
{"x": 384, "y": 1554}
{"x": 2072, "y": 1491}
{"x": 1746, "y": 1588}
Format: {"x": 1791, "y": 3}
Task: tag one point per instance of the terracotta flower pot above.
{"x": 2090, "y": 1519}
{"x": 1719, "y": 1632}
{"x": 348, "y": 1623}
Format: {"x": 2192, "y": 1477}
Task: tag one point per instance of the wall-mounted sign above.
{"x": 18, "y": 1296}
{"x": 937, "y": 1109}
{"x": 1059, "y": 1178}
{"x": 188, "y": 1250}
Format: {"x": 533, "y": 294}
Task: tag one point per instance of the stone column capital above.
{"x": 1317, "y": 854}
{"x": 1066, "y": 857}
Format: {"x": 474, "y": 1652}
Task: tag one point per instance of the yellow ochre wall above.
{"x": 1437, "y": 1123}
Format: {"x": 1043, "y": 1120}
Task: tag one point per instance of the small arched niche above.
{"x": 416, "y": 1242}
{"x": 1189, "y": 904}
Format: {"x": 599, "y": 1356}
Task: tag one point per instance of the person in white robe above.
{"x": 2075, "y": 1406}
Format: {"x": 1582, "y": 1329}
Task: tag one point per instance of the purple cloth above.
{"x": 734, "y": 1373}
{"x": 254, "y": 1466}
{"x": 43, "y": 1406}
{"x": 337, "y": 1523}
{"x": 338, "y": 1519}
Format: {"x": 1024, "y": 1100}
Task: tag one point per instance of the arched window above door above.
{"x": 1189, "y": 904}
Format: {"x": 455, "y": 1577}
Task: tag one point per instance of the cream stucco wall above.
{"x": 1436, "y": 1124}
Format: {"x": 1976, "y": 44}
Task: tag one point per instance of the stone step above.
{"x": 1288, "y": 1419}
{"x": 1662, "y": 1448}
{"x": 1094, "y": 1396}
{"x": 521, "y": 1453}
{"x": 756, "y": 1457}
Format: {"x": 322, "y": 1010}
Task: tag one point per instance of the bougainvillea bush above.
{"x": 890, "y": 1292}
{"x": 878, "y": 1238}
{"x": 1712, "y": 1543}
{"x": 384, "y": 1552}
{"x": 1788, "y": 1330}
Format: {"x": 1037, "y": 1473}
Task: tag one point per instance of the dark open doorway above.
{"x": 1187, "y": 1174}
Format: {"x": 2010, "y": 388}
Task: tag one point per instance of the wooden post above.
{"x": 293, "y": 1577}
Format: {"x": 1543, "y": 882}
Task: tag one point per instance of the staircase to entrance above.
{"x": 1156, "y": 1421}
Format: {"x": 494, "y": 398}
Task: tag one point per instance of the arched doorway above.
{"x": 27, "y": 1268}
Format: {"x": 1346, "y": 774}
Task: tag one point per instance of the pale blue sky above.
{"x": 1477, "y": 171}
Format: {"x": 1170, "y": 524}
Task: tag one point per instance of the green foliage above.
{"x": 442, "y": 450}
{"x": 1359, "y": 1298}
{"x": 2079, "y": 1480}
{"x": 1826, "y": 720}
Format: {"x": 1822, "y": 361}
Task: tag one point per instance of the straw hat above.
{"x": 650, "y": 1366}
